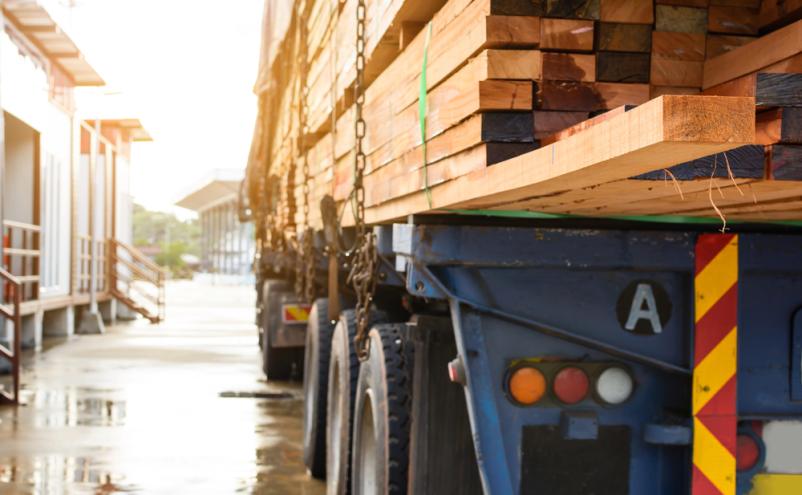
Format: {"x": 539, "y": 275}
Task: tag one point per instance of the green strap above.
{"x": 422, "y": 95}
{"x": 677, "y": 219}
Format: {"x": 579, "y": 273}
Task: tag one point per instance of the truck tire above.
{"x": 277, "y": 362}
{"x": 316, "y": 381}
{"x": 380, "y": 447}
{"x": 343, "y": 372}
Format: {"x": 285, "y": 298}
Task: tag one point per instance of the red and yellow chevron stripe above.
{"x": 715, "y": 420}
{"x": 295, "y": 313}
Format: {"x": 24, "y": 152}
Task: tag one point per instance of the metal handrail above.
{"x": 13, "y": 224}
{"x": 140, "y": 268}
{"x": 136, "y": 254}
{"x": 15, "y": 315}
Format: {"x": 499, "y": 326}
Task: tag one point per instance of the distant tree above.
{"x": 168, "y": 237}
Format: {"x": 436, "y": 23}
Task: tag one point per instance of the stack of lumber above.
{"x": 586, "y": 107}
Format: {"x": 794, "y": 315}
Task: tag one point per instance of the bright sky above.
{"x": 186, "y": 69}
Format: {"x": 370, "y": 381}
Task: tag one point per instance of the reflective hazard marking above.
{"x": 295, "y": 313}
{"x": 776, "y": 484}
{"x": 715, "y": 365}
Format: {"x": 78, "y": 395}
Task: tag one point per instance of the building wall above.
{"x": 25, "y": 96}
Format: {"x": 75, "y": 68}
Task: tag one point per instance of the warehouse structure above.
{"x": 227, "y": 246}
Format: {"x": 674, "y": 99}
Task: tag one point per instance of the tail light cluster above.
{"x": 553, "y": 383}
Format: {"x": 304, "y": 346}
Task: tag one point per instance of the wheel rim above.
{"x": 366, "y": 456}
{"x": 336, "y": 422}
{"x": 309, "y": 392}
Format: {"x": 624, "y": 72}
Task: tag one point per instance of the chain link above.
{"x": 304, "y": 270}
{"x": 363, "y": 268}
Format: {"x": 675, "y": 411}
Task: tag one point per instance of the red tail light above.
{"x": 571, "y": 385}
{"x": 747, "y": 452}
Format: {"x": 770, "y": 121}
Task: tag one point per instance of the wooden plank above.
{"x": 656, "y": 91}
{"x": 573, "y": 9}
{"x": 785, "y": 162}
{"x": 768, "y": 89}
{"x": 476, "y": 87}
{"x": 566, "y": 35}
{"x": 622, "y": 67}
{"x": 657, "y": 134}
{"x": 627, "y": 11}
{"x": 680, "y": 19}
{"x": 619, "y": 37}
{"x": 409, "y": 29}
{"x": 547, "y": 123}
{"x": 684, "y": 3}
{"x": 769, "y": 49}
{"x": 585, "y": 124}
{"x": 569, "y": 67}
{"x": 460, "y": 30}
{"x": 625, "y": 197}
{"x": 778, "y": 13}
{"x": 678, "y": 73}
{"x": 745, "y": 162}
{"x": 408, "y": 175}
{"x": 779, "y": 125}
{"x": 752, "y": 4}
{"x": 732, "y": 20}
{"x": 718, "y": 44}
{"x": 590, "y": 97}
{"x": 698, "y": 197}
{"x": 678, "y": 46}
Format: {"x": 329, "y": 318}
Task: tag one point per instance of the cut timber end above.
{"x": 709, "y": 120}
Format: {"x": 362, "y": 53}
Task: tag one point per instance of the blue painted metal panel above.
{"x": 530, "y": 292}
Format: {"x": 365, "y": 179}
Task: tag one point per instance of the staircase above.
{"x": 136, "y": 281}
{"x": 12, "y": 289}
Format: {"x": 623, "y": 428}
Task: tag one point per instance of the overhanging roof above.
{"x": 34, "y": 22}
{"x": 220, "y": 184}
{"x": 134, "y": 127}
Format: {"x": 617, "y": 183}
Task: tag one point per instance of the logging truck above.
{"x": 511, "y": 249}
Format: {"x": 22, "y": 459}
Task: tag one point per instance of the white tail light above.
{"x": 614, "y": 386}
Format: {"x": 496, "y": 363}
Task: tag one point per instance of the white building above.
{"x": 66, "y": 207}
{"x": 226, "y": 244}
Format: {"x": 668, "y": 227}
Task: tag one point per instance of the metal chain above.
{"x": 363, "y": 268}
{"x": 305, "y": 270}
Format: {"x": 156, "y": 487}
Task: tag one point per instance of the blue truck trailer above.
{"x": 555, "y": 358}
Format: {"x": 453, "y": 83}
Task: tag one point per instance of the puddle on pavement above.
{"x": 99, "y": 420}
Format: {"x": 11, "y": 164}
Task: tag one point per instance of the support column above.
{"x": 91, "y": 322}
{"x": 59, "y": 322}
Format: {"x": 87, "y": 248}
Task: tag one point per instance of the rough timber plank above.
{"x": 620, "y": 37}
{"x": 718, "y": 44}
{"x": 569, "y": 67}
{"x": 779, "y": 125}
{"x": 769, "y": 49}
{"x": 566, "y": 35}
{"x": 658, "y": 134}
{"x": 768, "y": 89}
{"x": 678, "y": 46}
{"x": 590, "y": 97}
{"x": 629, "y": 11}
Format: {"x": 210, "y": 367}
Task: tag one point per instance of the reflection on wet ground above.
{"x": 176, "y": 408}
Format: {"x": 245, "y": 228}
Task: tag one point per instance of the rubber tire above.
{"x": 340, "y": 394}
{"x": 380, "y": 447}
{"x": 277, "y": 362}
{"x": 259, "y": 312}
{"x": 316, "y": 381}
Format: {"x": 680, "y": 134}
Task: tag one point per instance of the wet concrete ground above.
{"x": 139, "y": 409}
